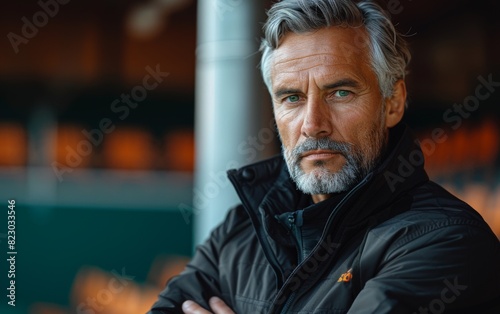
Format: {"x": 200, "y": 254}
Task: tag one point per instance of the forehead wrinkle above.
{"x": 294, "y": 79}
{"x": 310, "y": 61}
{"x": 323, "y": 67}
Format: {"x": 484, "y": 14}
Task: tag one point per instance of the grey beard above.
{"x": 321, "y": 180}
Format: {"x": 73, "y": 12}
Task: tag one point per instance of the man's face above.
{"x": 328, "y": 108}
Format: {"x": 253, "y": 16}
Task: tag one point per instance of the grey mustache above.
{"x": 321, "y": 144}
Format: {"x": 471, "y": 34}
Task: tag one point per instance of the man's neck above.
{"x": 320, "y": 197}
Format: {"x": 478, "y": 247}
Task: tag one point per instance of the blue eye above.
{"x": 293, "y": 98}
{"x": 342, "y": 93}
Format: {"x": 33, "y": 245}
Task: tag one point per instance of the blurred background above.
{"x": 108, "y": 107}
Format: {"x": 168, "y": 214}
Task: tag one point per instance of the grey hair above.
{"x": 388, "y": 50}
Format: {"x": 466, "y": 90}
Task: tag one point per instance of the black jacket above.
{"x": 395, "y": 243}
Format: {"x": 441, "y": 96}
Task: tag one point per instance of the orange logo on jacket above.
{"x": 346, "y": 277}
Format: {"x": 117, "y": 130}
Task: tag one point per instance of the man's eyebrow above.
{"x": 342, "y": 83}
{"x": 286, "y": 91}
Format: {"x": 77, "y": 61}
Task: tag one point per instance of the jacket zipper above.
{"x": 294, "y": 224}
{"x": 288, "y": 303}
{"x": 292, "y": 295}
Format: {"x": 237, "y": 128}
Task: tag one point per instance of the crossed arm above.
{"x": 216, "y": 305}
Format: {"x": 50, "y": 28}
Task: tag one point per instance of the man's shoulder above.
{"x": 432, "y": 209}
{"x": 431, "y": 203}
{"x": 236, "y": 219}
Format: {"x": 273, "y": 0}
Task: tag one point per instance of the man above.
{"x": 346, "y": 221}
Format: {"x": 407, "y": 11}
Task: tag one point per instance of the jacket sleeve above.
{"x": 200, "y": 279}
{"x": 445, "y": 270}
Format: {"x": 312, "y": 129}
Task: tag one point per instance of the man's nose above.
{"x": 316, "y": 122}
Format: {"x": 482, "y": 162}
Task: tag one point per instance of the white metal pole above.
{"x": 228, "y": 104}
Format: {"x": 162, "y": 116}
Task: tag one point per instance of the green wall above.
{"x": 54, "y": 243}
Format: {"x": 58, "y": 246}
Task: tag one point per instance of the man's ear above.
{"x": 395, "y": 105}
